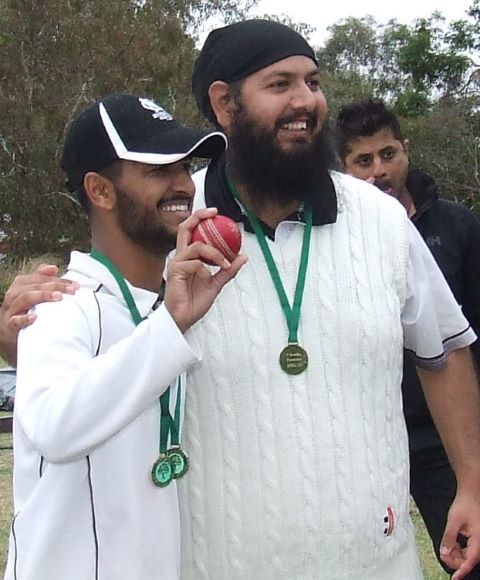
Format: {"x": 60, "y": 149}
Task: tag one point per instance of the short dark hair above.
{"x": 362, "y": 119}
{"x": 112, "y": 172}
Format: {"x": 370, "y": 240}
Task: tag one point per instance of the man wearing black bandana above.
{"x": 282, "y": 154}
{"x": 295, "y": 415}
{"x": 293, "y": 420}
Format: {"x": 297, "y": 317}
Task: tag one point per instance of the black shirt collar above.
{"x": 423, "y": 189}
{"x": 217, "y": 194}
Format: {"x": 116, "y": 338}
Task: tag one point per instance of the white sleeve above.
{"x": 432, "y": 321}
{"x": 69, "y": 401}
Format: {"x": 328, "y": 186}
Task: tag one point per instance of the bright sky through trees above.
{"x": 322, "y": 14}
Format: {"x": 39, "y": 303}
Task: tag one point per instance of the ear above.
{"x": 100, "y": 191}
{"x": 406, "y": 147}
{"x": 221, "y": 102}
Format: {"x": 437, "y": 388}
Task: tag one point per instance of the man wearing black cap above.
{"x": 294, "y": 416}
{"x": 97, "y": 427}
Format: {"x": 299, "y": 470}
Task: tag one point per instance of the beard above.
{"x": 271, "y": 173}
{"x": 141, "y": 225}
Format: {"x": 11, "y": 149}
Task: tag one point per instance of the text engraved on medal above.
{"x": 293, "y": 359}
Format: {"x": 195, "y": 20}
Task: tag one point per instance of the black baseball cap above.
{"x": 132, "y": 128}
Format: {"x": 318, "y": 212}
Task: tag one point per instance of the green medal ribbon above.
{"x": 177, "y": 456}
{"x": 168, "y": 465}
{"x": 293, "y": 358}
{"x": 124, "y": 289}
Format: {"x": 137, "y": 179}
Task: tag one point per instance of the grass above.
{"x": 430, "y": 566}
{"x": 5, "y": 495}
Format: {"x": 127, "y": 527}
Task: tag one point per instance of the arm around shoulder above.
{"x": 24, "y": 293}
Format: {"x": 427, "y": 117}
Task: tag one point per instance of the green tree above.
{"x": 445, "y": 142}
{"x": 56, "y": 57}
{"x": 411, "y": 66}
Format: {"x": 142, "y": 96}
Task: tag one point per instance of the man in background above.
{"x": 372, "y": 147}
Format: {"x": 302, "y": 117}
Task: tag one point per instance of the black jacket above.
{"x": 452, "y": 232}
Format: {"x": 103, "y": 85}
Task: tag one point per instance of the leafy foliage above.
{"x": 414, "y": 65}
{"x": 445, "y": 142}
{"x": 56, "y": 57}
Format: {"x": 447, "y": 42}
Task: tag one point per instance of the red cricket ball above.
{"x": 221, "y": 233}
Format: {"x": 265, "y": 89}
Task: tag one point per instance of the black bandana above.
{"x": 236, "y": 51}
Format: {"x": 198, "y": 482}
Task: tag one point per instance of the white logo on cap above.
{"x": 158, "y": 111}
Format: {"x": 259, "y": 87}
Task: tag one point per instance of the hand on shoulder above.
{"x": 26, "y": 291}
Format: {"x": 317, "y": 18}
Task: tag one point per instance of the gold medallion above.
{"x": 293, "y": 359}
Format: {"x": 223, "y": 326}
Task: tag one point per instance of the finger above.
{"x": 193, "y": 267}
{"x": 186, "y": 228}
{"x": 40, "y": 281}
{"x": 39, "y": 284}
{"x": 468, "y": 559}
{"x": 26, "y": 300}
{"x": 62, "y": 284}
{"x": 21, "y": 321}
{"x": 185, "y": 270}
{"x": 452, "y": 556}
{"x": 465, "y": 568}
{"x": 201, "y": 251}
{"x": 222, "y": 277}
{"x": 47, "y": 270}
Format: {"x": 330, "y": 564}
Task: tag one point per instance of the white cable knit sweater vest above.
{"x": 304, "y": 477}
